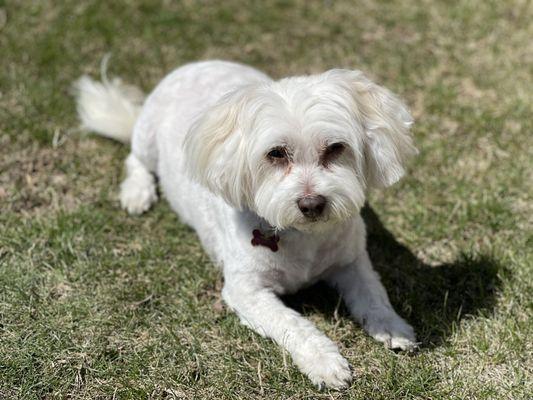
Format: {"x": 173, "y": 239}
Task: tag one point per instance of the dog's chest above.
{"x": 302, "y": 263}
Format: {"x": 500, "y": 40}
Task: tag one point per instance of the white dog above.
{"x": 272, "y": 176}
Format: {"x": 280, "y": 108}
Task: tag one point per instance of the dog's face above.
{"x": 301, "y": 152}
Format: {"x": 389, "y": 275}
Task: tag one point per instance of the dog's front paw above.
{"x": 330, "y": 370}
{"x": 324, "y": 365}
{"x": 392, "y": 330}
{"x": 136, "y": 196}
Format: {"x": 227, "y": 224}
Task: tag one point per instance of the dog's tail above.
{"x": 109, "y": 108}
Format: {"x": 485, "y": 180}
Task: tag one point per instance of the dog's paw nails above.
{"x": 393, "y": 332}
{"x": 401, "y": 343}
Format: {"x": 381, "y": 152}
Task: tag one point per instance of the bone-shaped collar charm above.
{"x": 260, "y": 239}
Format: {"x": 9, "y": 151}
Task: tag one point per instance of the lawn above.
{"x": 98, "y": 304}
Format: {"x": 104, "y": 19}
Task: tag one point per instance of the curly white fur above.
{"x": 206, "y": 132}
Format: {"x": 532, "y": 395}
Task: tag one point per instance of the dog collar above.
{"x": 261, "y": 239}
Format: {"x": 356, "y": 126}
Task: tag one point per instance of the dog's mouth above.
{"x": 314, "y": 224}
{"x": 317, "y": 220}
{"x": 324, "y": 222}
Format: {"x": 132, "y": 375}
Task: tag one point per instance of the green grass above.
{"x": 97, "y": 304}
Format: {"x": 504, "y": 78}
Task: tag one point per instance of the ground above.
{"x": 98, "y": 304}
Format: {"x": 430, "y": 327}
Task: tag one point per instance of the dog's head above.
{"x": 301, "y": 152}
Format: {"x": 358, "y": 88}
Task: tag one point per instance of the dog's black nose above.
{"x": 312, "y": 206}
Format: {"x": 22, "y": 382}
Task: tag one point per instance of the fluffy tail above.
{"x": 108, "y": 108}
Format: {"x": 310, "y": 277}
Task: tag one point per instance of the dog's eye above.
{"x": 277, "y": 153}
{"x": 334, "y": 149}
{"x": 332, "y": 152}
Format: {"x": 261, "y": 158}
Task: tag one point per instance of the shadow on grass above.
{"x": 434, "y": 299}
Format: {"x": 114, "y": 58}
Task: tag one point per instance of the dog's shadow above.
{"x": 434, "y": 299}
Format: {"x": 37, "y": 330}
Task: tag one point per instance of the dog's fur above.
{"x": 208, "y": 131}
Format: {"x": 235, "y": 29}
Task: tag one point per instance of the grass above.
{"x": 98, "y": 304}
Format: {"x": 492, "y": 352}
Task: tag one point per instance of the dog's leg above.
{"x": 138, "y": 190}
{"x": 369, "y": 304}
{"x": 312, "y": 351}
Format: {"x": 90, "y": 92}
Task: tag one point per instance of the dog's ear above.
{"x": 215, "y": 149}
{"x": 386, "y": 122}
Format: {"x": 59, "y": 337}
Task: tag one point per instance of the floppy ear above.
{"x": 215, "y": 149}
{"x": 386, "y": 122}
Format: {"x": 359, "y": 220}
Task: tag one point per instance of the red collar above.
{"x": 260, "y": 239}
